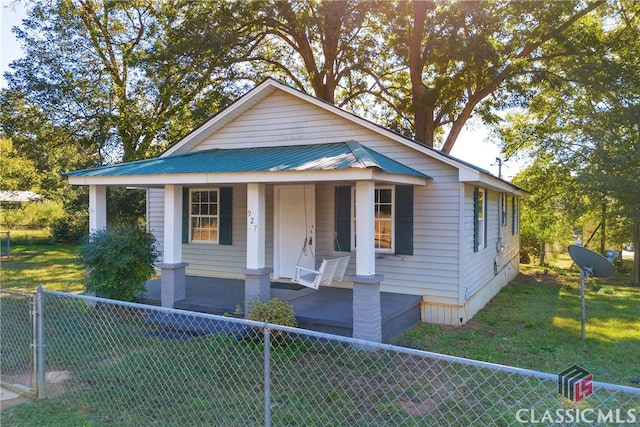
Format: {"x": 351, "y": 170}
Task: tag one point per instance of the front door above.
{"x": 294, "y": 228}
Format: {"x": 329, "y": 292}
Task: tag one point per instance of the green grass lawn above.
{"x": 53, "y": 266}
{"x": 534, "y": 323}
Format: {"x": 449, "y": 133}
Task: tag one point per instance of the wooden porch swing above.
{"x": 330, "y": 270}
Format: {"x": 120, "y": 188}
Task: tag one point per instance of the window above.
{"x": 393, "y": 219}
{"x": 383, "y": 219}
{"x": 503, "y": 210}
{"x": 479, "y": 223}
{"x": 383, "y": 213}
{"x": 204, "y": 216}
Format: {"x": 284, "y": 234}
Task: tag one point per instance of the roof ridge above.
{"x": 361, "y": 154}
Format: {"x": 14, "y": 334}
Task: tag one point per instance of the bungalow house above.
{"x": 280, "y": 179}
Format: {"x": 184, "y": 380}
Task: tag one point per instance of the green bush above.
{"x": 274, "y": 311}
{"x": 119, "y": 262}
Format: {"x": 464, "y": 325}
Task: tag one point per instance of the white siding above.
{"x": 155, "y": 215}
{"x": 444, "y": 269}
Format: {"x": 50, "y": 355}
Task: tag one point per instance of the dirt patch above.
{"x": 54, "y": 383}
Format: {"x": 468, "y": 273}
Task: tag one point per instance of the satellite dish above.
{"x": 591, "y": 264}
{"x": 594, "y": 264}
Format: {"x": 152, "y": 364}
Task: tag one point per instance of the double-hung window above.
{"x": 383, "y": 219}
{"x": 503, "y": 208}
{"x": 383, "y": 212}
{"x": 479, "y": 223}
{"x": 204, "y": 215}
{"x": 393, "y": 219}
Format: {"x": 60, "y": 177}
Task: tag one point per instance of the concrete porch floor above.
{"x": 327, "y": 309}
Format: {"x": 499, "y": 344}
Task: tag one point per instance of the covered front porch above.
{"x": 328, "y": 310}
{"x": 272, "y": 190}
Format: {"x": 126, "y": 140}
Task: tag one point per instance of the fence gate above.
{"x": 18, "y": 351}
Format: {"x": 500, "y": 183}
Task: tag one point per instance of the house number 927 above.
{"x": 252, "y": 221}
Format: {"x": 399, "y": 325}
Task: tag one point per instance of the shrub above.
{"x": 273, "y": 311}
{"x": 119, "y": 262}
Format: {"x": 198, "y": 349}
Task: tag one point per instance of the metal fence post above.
{"x": 39, "y": 343}
{"x": 267, "y": 376}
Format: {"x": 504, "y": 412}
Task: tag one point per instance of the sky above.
{"x": 475, "y": 144}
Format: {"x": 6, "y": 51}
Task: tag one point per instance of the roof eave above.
{"x": 190, "y": 179}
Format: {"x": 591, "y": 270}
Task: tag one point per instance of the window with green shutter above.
{"x": 207, "y": 215}
{"x": 393, "y": 211}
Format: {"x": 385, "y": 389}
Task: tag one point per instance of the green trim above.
{"x": 343, "y": 219}
{"x": 226, "y": 216}
{"x": 404, "y": 220}
{"x": 185, "y": 214}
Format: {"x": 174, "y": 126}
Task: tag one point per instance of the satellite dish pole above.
{"x": 591, "y": 265}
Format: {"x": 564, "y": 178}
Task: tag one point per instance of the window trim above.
{"x": 503, "y": 209}
{"x": 191, "y": 215}
{"x": 480, "y": 221}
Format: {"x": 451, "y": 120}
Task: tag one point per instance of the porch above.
{"x": 328, "y": 310}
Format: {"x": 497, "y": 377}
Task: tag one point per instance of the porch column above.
{"x": 257, "y": 277}
{"x": 172, "y": 269}
{"x": 97, "y": 208}
{"x": 367, "y": 312}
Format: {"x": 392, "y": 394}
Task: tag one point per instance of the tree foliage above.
{"x": 17, "y": 171}
{"x": 585, "y": 115}
{"x": 114, "y": 74}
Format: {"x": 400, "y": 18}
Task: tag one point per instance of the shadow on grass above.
{"x": 534, "y": 323}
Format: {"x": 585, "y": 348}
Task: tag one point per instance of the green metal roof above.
{"x": 332, "y": 156}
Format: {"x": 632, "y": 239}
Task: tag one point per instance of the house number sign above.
{"x": 253, "y": 224}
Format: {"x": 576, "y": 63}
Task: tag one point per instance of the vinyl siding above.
{"x": 443, "y": 268}
{"x": 478, "y": 267}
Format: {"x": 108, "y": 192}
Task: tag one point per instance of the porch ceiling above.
{"x": 317, "y": 162}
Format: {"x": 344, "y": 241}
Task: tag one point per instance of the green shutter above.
{"x": 343, "y": 218}
{"x": 226, "y": 215}
{"x": 185, "y": 215}
{"x": 476, "y": 224}
{"x": 404, "y": 220}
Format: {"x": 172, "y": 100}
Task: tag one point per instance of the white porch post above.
{"x": 97, "y": 208}
{"x": 367, "y": 311}
{"x": 257, "y": 277}
{"x": 173, "y": 276}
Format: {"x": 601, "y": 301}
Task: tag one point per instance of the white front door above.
{"x": 294, "y": 229}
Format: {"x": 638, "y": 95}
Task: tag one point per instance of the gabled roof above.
{"x": 315, "y": 157}
{"x": 467, "y": 171}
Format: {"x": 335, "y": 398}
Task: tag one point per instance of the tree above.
{"x": 465, "y": 58}
{"x": 589, "y": 121}
{"x": 548, "y": 216}
{"x": 114, "y": 74}
{"x": 321, "y": 47}
{"x": 17, "y": 172}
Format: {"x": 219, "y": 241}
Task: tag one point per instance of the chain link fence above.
{"x": 132, "y": 364}
{"x": 17, "y": 328}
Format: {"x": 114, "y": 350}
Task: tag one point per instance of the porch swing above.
{"x": 330, "y": 269}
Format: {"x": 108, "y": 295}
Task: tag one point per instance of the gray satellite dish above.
{"x": 595, "y": 264}
{"x": 591, "y": 264}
